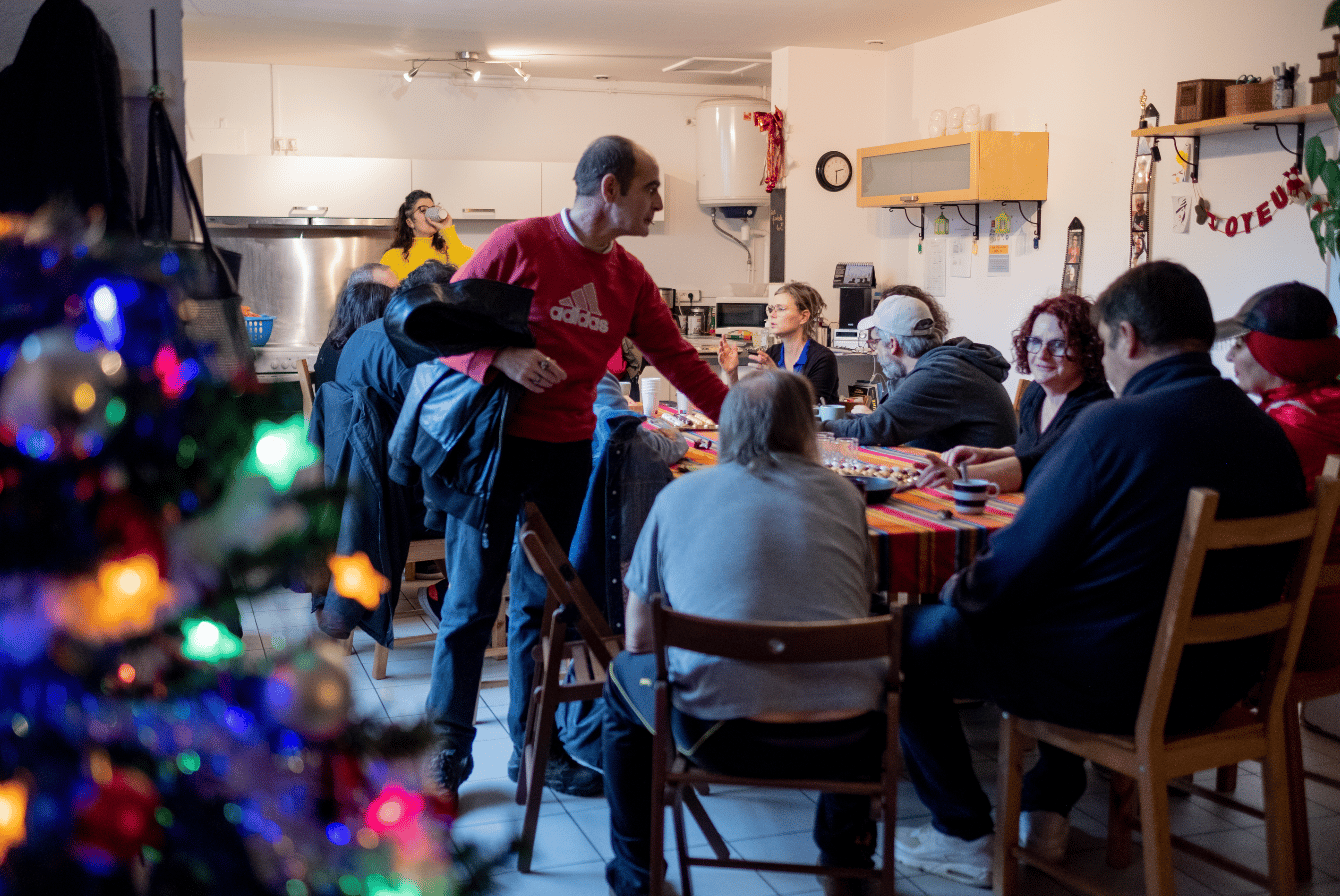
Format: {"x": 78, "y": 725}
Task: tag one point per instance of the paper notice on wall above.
{"x": 960, "y": 258}
{"x": 998, "y": 260}
{"x": 937, "y": 264}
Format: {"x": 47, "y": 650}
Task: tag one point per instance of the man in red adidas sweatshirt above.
{"x": 590, "y": 293}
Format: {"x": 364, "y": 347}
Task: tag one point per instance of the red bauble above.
{"x": 116, "y": 818}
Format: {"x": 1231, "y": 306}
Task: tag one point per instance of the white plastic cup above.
{"x": 682, "y": 402}
{"x": 970, "y": 495}
{"x": 937, "y": 123}
{"x": 651, "y": 392}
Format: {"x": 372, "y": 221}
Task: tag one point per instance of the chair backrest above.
{"x": 308, "y": 391}
{"x": 1330, "y": 568}
{"x": 548, "y": 558}
{"x": 1284, "y": 619}
{"x": 1019, "y": 391}
{"x": 778, "y": 642}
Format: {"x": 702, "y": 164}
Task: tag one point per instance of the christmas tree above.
{"x": 147, "y": 482}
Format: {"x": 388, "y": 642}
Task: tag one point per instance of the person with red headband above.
{"x": 1286, "y": 351}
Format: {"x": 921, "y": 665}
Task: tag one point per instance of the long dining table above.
{"x": 918, "y": 539}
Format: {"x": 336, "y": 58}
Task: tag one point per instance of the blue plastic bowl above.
{"x": 258, "y": 328}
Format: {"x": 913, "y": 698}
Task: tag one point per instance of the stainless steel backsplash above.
{"x": 297, "y": 273}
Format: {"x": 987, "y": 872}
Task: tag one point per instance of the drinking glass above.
{"x": 847, "y": 455}
{"x": 826, "y": 442}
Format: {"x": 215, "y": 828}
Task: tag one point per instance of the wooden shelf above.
{"x": 1295, "y": 115}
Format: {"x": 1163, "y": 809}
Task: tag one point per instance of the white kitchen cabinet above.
{"x": 274, "y": 186}
{"x": 481, "y": 190}
{"x": 557, "y": 188}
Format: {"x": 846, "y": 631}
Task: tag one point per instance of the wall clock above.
{"x": 833, "y": 171}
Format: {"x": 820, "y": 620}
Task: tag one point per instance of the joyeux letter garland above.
{"x": 1291, "y": 189}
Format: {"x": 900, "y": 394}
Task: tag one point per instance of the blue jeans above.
{"x": 554, "y": 476}
{"x": 843, "y": 828}
{"x": 941, "y": 661}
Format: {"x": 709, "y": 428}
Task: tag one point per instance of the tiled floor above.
{"x": 573, "y": 840}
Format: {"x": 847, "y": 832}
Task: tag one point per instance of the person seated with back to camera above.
{"x": 940, "y": 392}
{"x": 775, "y": 722}
{"x": 1285, "y": 350}
{"x": 369, "y": 358}
{"x": 794, "y": 319}
{"x": 1059, "y": 346}
{"x": 362, "y": 301}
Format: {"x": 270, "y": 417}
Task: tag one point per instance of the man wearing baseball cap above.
{"x": 1286, "y": 351}
{"x": 940, "y": 392}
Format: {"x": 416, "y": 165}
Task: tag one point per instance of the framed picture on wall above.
{"x": 1142, "y": 166}
{"x": 1139, "y": 212}
{"x": 1070, "y": 279}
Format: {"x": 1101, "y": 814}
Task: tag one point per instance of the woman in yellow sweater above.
{"x": 419, "y": 237}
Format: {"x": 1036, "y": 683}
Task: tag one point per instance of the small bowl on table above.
{"x": 876, "y": 489}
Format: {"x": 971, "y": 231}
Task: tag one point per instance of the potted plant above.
{"x": 1324, "y": 207}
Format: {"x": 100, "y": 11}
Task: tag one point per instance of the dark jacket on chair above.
{"x": 351, "y": 429}
{"x": 451, "y": 431}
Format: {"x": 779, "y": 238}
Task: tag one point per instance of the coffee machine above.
{"x": 855, "y": 283}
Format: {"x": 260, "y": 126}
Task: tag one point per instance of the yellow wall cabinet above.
{"x": 963, "y": 168}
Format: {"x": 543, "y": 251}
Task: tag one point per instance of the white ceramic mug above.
{"x": 651, "y": 393}
{"x": 970, "y": 495}
{"x": 832, "y": 411}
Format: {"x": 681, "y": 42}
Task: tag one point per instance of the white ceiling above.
{"x": 626, "y": 40}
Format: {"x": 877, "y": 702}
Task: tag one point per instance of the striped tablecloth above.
{"x": 918, "y": 539}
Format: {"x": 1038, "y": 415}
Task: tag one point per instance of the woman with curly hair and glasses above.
{"x": 423, "y": 230}
{"x": 1059, "y": 346}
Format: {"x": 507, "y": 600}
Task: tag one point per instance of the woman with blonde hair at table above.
{"x": 1059, "y": 346}
{"x": 794, "y": 319}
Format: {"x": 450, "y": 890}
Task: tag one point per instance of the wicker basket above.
{"x": 1246, "y": 99}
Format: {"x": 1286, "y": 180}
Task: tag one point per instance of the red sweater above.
{"x": 585, "y": 303}
{"x": 1309, "y": 414}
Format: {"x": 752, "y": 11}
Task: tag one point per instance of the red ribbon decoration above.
{"x": 772, "y": 125}
{"x": 1293, "y": 189}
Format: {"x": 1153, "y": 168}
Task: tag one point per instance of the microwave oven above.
{"x": 736, "y": 315}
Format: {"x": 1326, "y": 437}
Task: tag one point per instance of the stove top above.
{"x": 280, "y": 361}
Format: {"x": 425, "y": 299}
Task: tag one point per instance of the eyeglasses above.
{"x": 423, "y": 208}
{"x": 872, "y": 337}
{"x": 776, "y": 309}
{"x": 1057, "y": 347}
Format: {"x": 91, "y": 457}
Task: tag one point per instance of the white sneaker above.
{"x": 1045, "y": 833}
{"x": 964, "y": 861}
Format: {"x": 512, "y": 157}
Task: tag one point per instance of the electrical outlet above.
{"x": 292, "y": 144}
{"x": 689, "y": 296}
{"x": 279, "y": 144}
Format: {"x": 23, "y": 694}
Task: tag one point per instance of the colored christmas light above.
{"x": 280, "y": 450}
{"x": 356, "y": 578}
{"x": 13, "y": 814}
{"x": 209, "y": 642}
{"x": 393, "y": 810}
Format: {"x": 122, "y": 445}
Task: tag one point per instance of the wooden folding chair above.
{"x": 675, "y": 778}
{"x": 1020, "y": 388}
{"x": 308, "y": 389}
{"x": 1307, "y": 685}
{"x": 1152, "y": 759}
{"x": 567, "y": 604}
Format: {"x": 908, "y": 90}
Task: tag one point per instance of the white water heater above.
{"x": 732, "y": 153}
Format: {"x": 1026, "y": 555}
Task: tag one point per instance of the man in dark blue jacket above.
{"x": 1056, "y": 620}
